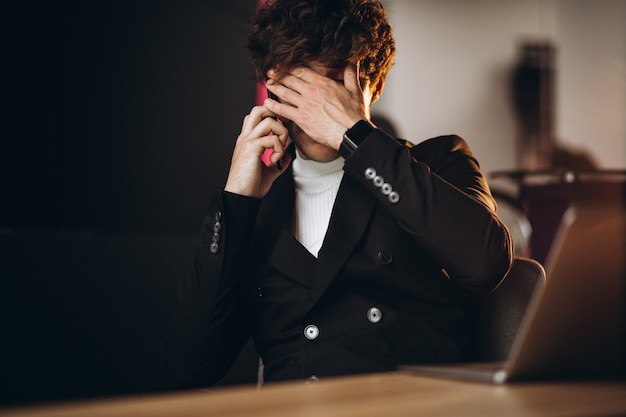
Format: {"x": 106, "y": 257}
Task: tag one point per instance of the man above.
{"x": 357, "y": 252}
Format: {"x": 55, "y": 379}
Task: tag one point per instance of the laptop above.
{"x": 575, "y": 327}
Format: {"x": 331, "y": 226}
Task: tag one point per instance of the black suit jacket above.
{"x": 412, "y": 231}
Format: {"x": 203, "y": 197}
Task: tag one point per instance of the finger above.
{"x": 255, "y": 148}
{"x": 279, "y": 151}
{"x": 245, "y": 122}
{"x": 256, "y": 116}
{"x": 300, "y": 72}
{"x": 296, "y": 79}
{"x": 285, "y": 111}
{"x": 285, "y": 94}
{"x": 351, "y": 78}
{"x": 283, "y": 162}
{"x": 268, "y": 127}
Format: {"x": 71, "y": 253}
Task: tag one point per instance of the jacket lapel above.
{"x": 348, "y": 222}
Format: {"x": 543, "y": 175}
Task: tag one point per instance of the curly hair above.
{"x": 287, "y": 33}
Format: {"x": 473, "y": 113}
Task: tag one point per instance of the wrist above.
{"x": 354, "y": 136}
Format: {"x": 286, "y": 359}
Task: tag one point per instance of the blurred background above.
{"x": 456, "y": 67}
{"x": 119, "y": 117}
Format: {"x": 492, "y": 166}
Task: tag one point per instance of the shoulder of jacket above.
{"x": 449, "y": 143}
{"x": 439, "y": 147}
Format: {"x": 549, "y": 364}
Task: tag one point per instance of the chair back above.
{"x": 500, "y": 312}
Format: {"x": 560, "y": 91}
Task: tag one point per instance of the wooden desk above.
{"x": 393, "y": 395}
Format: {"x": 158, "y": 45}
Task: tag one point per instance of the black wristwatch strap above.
{"x": 354, "y": 136}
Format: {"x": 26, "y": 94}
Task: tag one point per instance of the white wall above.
{"x": 454, "y": 63}
{"x": 592, "y": 83}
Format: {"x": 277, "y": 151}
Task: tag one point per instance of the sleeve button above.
{"x": 214, "y": 247}
{"x": 370, "y": 173}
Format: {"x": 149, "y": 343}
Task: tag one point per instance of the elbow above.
{"x": 490, "y": 269}
{"x": 497, "y": 272}
{"x": 500, "y": 260}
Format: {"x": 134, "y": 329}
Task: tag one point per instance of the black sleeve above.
{"x": 438, "y": 194}
{"x": 206, "y": 329}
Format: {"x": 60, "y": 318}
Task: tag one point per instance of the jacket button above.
{"x": 218, "y": 216}
{"x": 311, "y": 332}
{"x": 374, "y": 315}
{"x": 217, "y": 226}
{"x": 384, "y": 258}
{"x": 313, "y": 379}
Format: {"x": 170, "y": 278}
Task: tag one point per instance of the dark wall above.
{"x": 118, "y": 117}
{"x": 120, "y": 114}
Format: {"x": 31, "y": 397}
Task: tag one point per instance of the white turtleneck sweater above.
{"x": 317, "y": 185}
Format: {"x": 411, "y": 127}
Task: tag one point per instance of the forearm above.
{"x": 443, "y": 200}
{"x": 206, "y": 328}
